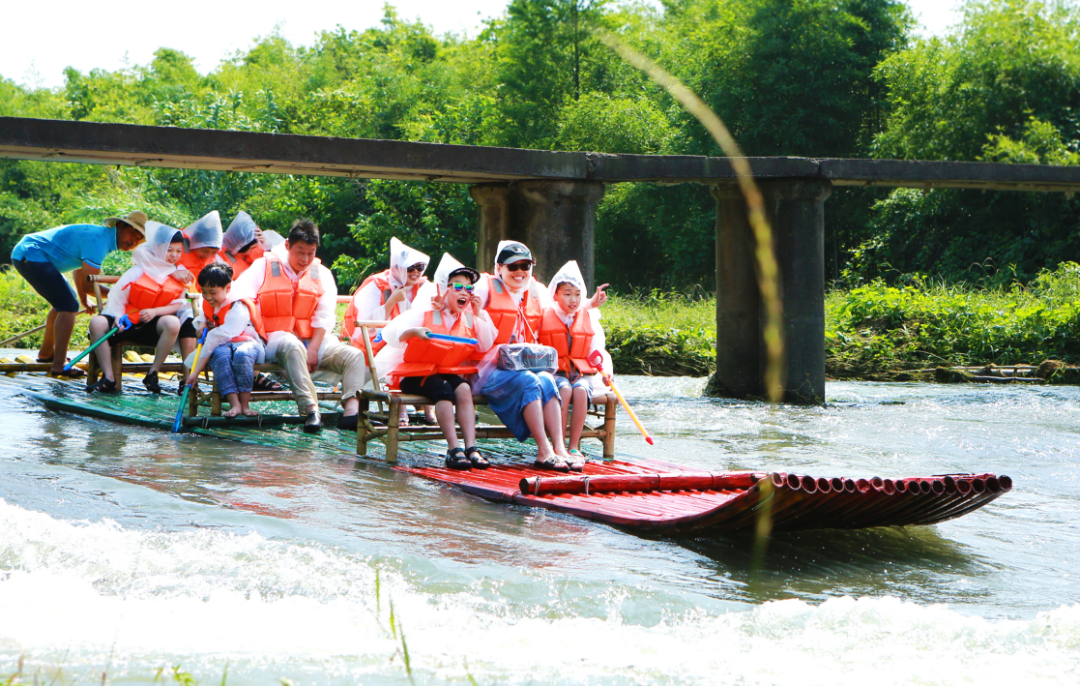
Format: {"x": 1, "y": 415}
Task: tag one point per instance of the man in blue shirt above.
{"x": 43, "y": 258}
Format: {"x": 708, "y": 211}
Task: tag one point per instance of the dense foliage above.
{"x": 790, "y": 77}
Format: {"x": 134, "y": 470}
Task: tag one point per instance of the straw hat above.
{"x": 136, "y": 220}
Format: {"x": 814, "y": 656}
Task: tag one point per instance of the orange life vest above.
{"x": 193, "y": 264}
{"x": 382, "y": 282}
{"x": 287, "y": 305}
{"x": 425, "y": 357}
{"x": 505, "y": 313}
{"x": 571, "y": 342}
{"x": 216, "y": 319}
{"x": 144, "y": 293}
{"x": 241, "y": 261}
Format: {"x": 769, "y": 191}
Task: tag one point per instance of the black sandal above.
{"x": 455, "y": 459}
{"x": 477, "y": 460}
{"x": 263, "y": 383}
{"x": 555, "y": 464}
{"x": 104, "y": 386}
{"x": 151, "y": 382}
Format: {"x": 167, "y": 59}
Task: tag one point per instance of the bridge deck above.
{"x": 155, "y": 146}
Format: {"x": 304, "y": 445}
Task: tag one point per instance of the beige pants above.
{"x": 338, "y": 361}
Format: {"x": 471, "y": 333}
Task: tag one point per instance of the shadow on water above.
{"x": 913, "y": 563}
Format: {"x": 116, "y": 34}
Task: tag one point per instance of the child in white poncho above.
{"x": 576, "y": 334}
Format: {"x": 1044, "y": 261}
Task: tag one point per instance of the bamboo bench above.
{"x": 391, "y": 434}
{"x": 272, "y": 396}
{"x": 93, "y": 369}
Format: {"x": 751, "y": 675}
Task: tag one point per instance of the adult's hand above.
{"x": 183, "y": 276}
{"x": 396, "y": 296}
{"x": 312, "y": 358}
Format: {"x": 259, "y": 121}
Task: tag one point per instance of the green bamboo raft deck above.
{"x": 278, "y": 427}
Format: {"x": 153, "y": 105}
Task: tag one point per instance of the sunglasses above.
{"x": 415, "y": 268}
{"x": 518, "y": 266}
{"x": 463, "y": 287}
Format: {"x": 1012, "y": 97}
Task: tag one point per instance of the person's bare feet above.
{"x": 231, "y": 412}
{"x": 248, "y": 412}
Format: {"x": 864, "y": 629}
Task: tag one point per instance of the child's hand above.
{"x": 600, "y": 296}
{"x": 476, "y": 304}
{"x": 183, "y": 276}
{"x": 147, "y": 314}
{"x": 438, "y": 301}
{"x": 192, "y": 379}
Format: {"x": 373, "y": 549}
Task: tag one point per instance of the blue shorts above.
{"x": 562, "y": 382}
{"x": 509, "y": 392}
{"x": 50, "y": 284}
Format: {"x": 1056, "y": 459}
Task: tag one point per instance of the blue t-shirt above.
{"x": 67, "y": 247}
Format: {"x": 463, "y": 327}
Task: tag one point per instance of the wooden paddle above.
{"x": 596, "y": 359}
{"x": 24, "y": 334}
{"x": 187, "y": 389}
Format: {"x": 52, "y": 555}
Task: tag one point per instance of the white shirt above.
{"x": 116, "y": 305}
{"x": 325, "y": 317}
{"x": 394, "y": 352}
{"x": 370, "y": 307}
{"x": 237, "y": 323}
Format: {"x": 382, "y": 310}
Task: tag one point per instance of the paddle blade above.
{"x": 180, "y": 412}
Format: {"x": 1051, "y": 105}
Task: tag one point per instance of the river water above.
{"x": 131, "y": 551}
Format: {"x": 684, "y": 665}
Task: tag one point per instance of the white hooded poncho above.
{"x": 241, "y": 231}
{"x": 205, "y": 232}
{"x": 401, "y": 258}
{"x": 150, "y": 256}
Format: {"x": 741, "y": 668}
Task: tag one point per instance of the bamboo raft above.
{"x": 646, "y": 497}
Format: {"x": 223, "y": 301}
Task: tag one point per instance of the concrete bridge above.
{"x": 548, "y": 201}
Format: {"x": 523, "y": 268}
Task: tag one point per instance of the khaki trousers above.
{"x": 338, "y": 361}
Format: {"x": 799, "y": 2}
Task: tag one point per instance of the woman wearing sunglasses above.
{"x": 418, "y": 365}
{"x": 527, "y": 402}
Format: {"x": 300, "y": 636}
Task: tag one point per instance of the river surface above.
{"x": 131, "y": 552}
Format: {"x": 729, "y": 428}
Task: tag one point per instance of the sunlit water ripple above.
{"x": 126, "y": 551}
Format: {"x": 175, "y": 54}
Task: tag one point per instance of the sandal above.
{"x": 73, "y": 373}
{"x": 577, "y": 460}
{"x": 477, "y": 460}
{"x": 151, "y": 382}
{"x": 455, "y": 459}
{"x": 104, "y": 386}
{"x": 555, "y": 464}
{"x": 265, "y": 384}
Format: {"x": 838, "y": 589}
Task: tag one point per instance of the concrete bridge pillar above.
{"x": 796, "y": 212}
{"x": 494, "y": 202}
{"x": 556, "y": 219}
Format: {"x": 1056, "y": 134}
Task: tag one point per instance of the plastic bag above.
{"x": 528, "y": 357}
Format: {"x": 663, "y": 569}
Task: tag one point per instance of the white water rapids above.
{"x": 127, "y": 552}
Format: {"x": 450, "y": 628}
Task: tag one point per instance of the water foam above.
{"x": 91, "y": 596}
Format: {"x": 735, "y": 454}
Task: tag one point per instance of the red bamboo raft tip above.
{"x": 663, "y": 498}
